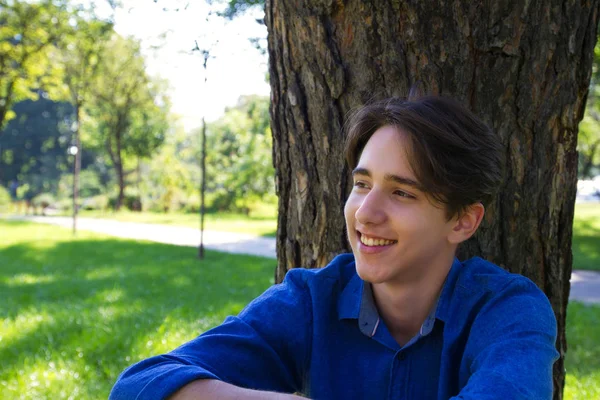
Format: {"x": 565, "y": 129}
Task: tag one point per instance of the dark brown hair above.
{"x": 455, "y": 157}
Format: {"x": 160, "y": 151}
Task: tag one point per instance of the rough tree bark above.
{"x": 524, "y": 67}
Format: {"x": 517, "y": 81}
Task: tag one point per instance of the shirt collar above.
{"x": 368, "y": 317}
{"x": 356, "y": 302}
{"x": 350, "y": 299}
{"x": 448, "y": 291}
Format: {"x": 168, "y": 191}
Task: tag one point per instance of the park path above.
{"x": 585, "y": 285}
{"x": 181, "y": 236}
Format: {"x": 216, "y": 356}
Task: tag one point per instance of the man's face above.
{"x": 395, "y": 231}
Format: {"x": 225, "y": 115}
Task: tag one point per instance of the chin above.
{"x": 370, "y": 274}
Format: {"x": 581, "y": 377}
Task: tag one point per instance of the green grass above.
{"x": 586, "y": 237}
{"x": 261, "y": 224}
{"x": 583, "y": 355}
{"x": 75, "y": 313}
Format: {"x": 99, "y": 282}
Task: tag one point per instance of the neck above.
{"x": 404, "y": 305}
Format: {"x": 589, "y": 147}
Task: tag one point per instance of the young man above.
{"x": 399, "y": 318}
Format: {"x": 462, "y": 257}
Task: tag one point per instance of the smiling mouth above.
{"x": 371, "y": 241}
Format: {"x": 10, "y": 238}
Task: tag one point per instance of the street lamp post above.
{"x": 74, "y": 150}
{"x": 206, "y": 55}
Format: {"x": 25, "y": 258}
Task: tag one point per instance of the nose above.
{"x": 371, "y": 209}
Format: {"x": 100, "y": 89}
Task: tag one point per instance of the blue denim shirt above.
{"x": 491, "y": 336}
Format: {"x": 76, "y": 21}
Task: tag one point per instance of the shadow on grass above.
{"x": 95, "y": 303}
{"x": 586, "y": 245}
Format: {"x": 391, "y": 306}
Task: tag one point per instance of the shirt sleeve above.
{"x": 511, "y": 346}
{"x": 265, "y": 347}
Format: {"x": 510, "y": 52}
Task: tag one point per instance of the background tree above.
{"x": 35, "y": 144}
{"x": 524, "y": 67}
{"x": 130, "y": 109}
{"x": 234, "y": 8}
{"x": 172, "y": 175}
{"x": 28, "y": 32}
{"x": 240, "y": 170}
{"x": 80, "y": 54}
{"x": 588, "y": 141}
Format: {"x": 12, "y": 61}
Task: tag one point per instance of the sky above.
{"x": 236, "y": 69}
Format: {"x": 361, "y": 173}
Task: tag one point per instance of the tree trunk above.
{"x": 524, "y": 67}
{"x": 120, "y": 172}
{"x": 115, "y": 154}
{"x": 121, "y": 195}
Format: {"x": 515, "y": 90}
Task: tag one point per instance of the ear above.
{"x": 467, "y": 223}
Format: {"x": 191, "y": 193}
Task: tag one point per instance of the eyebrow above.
{"x": 389, "y": 177}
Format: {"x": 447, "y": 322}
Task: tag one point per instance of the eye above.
{"x": 360, "y": 184}
{"x": 401, "y": 193}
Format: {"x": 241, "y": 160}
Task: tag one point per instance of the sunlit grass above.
{"x": 586, "y": 236}
{"x": 583, "y": 355}
{"x": 75, "y": 313}
{"x": 28, "y": 279}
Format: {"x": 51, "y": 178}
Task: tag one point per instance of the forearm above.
{"x": 215, "y": 389}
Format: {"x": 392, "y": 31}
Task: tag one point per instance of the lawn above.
{"x": 583, "y": 355}
{"x": 262, "y": 223}
{"x": 586, "y": 236}
{"x": 75, "y": 313}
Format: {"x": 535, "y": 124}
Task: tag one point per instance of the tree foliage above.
{"x": 35, "y": 144}
{"x": 236, "y": 7}
{"x": 55, "y": 49}
{"x": 129, "y": 109}
{"x": 80, "y": 54}
{"x": 172, "y": 176}
{"x": 29, "y": 31}
{"x": 240, "y": 170}
{"x": 588, "y": 140}
{"x": 67, "y": 74}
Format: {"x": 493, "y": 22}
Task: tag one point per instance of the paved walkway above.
{"x": 177, "y": 235}
{"x": 585, "y": 285}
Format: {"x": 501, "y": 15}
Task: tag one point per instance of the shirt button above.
{"x": 401, "y": 356}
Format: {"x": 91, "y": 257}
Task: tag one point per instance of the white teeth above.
{"x": 375, "y": 242}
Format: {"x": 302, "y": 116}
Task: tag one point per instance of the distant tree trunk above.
{"x": 120, "y": 171}
{"x": 114, "y": 147}
{"x": 524, "y": 67}
{"x": 121, "y": 195}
